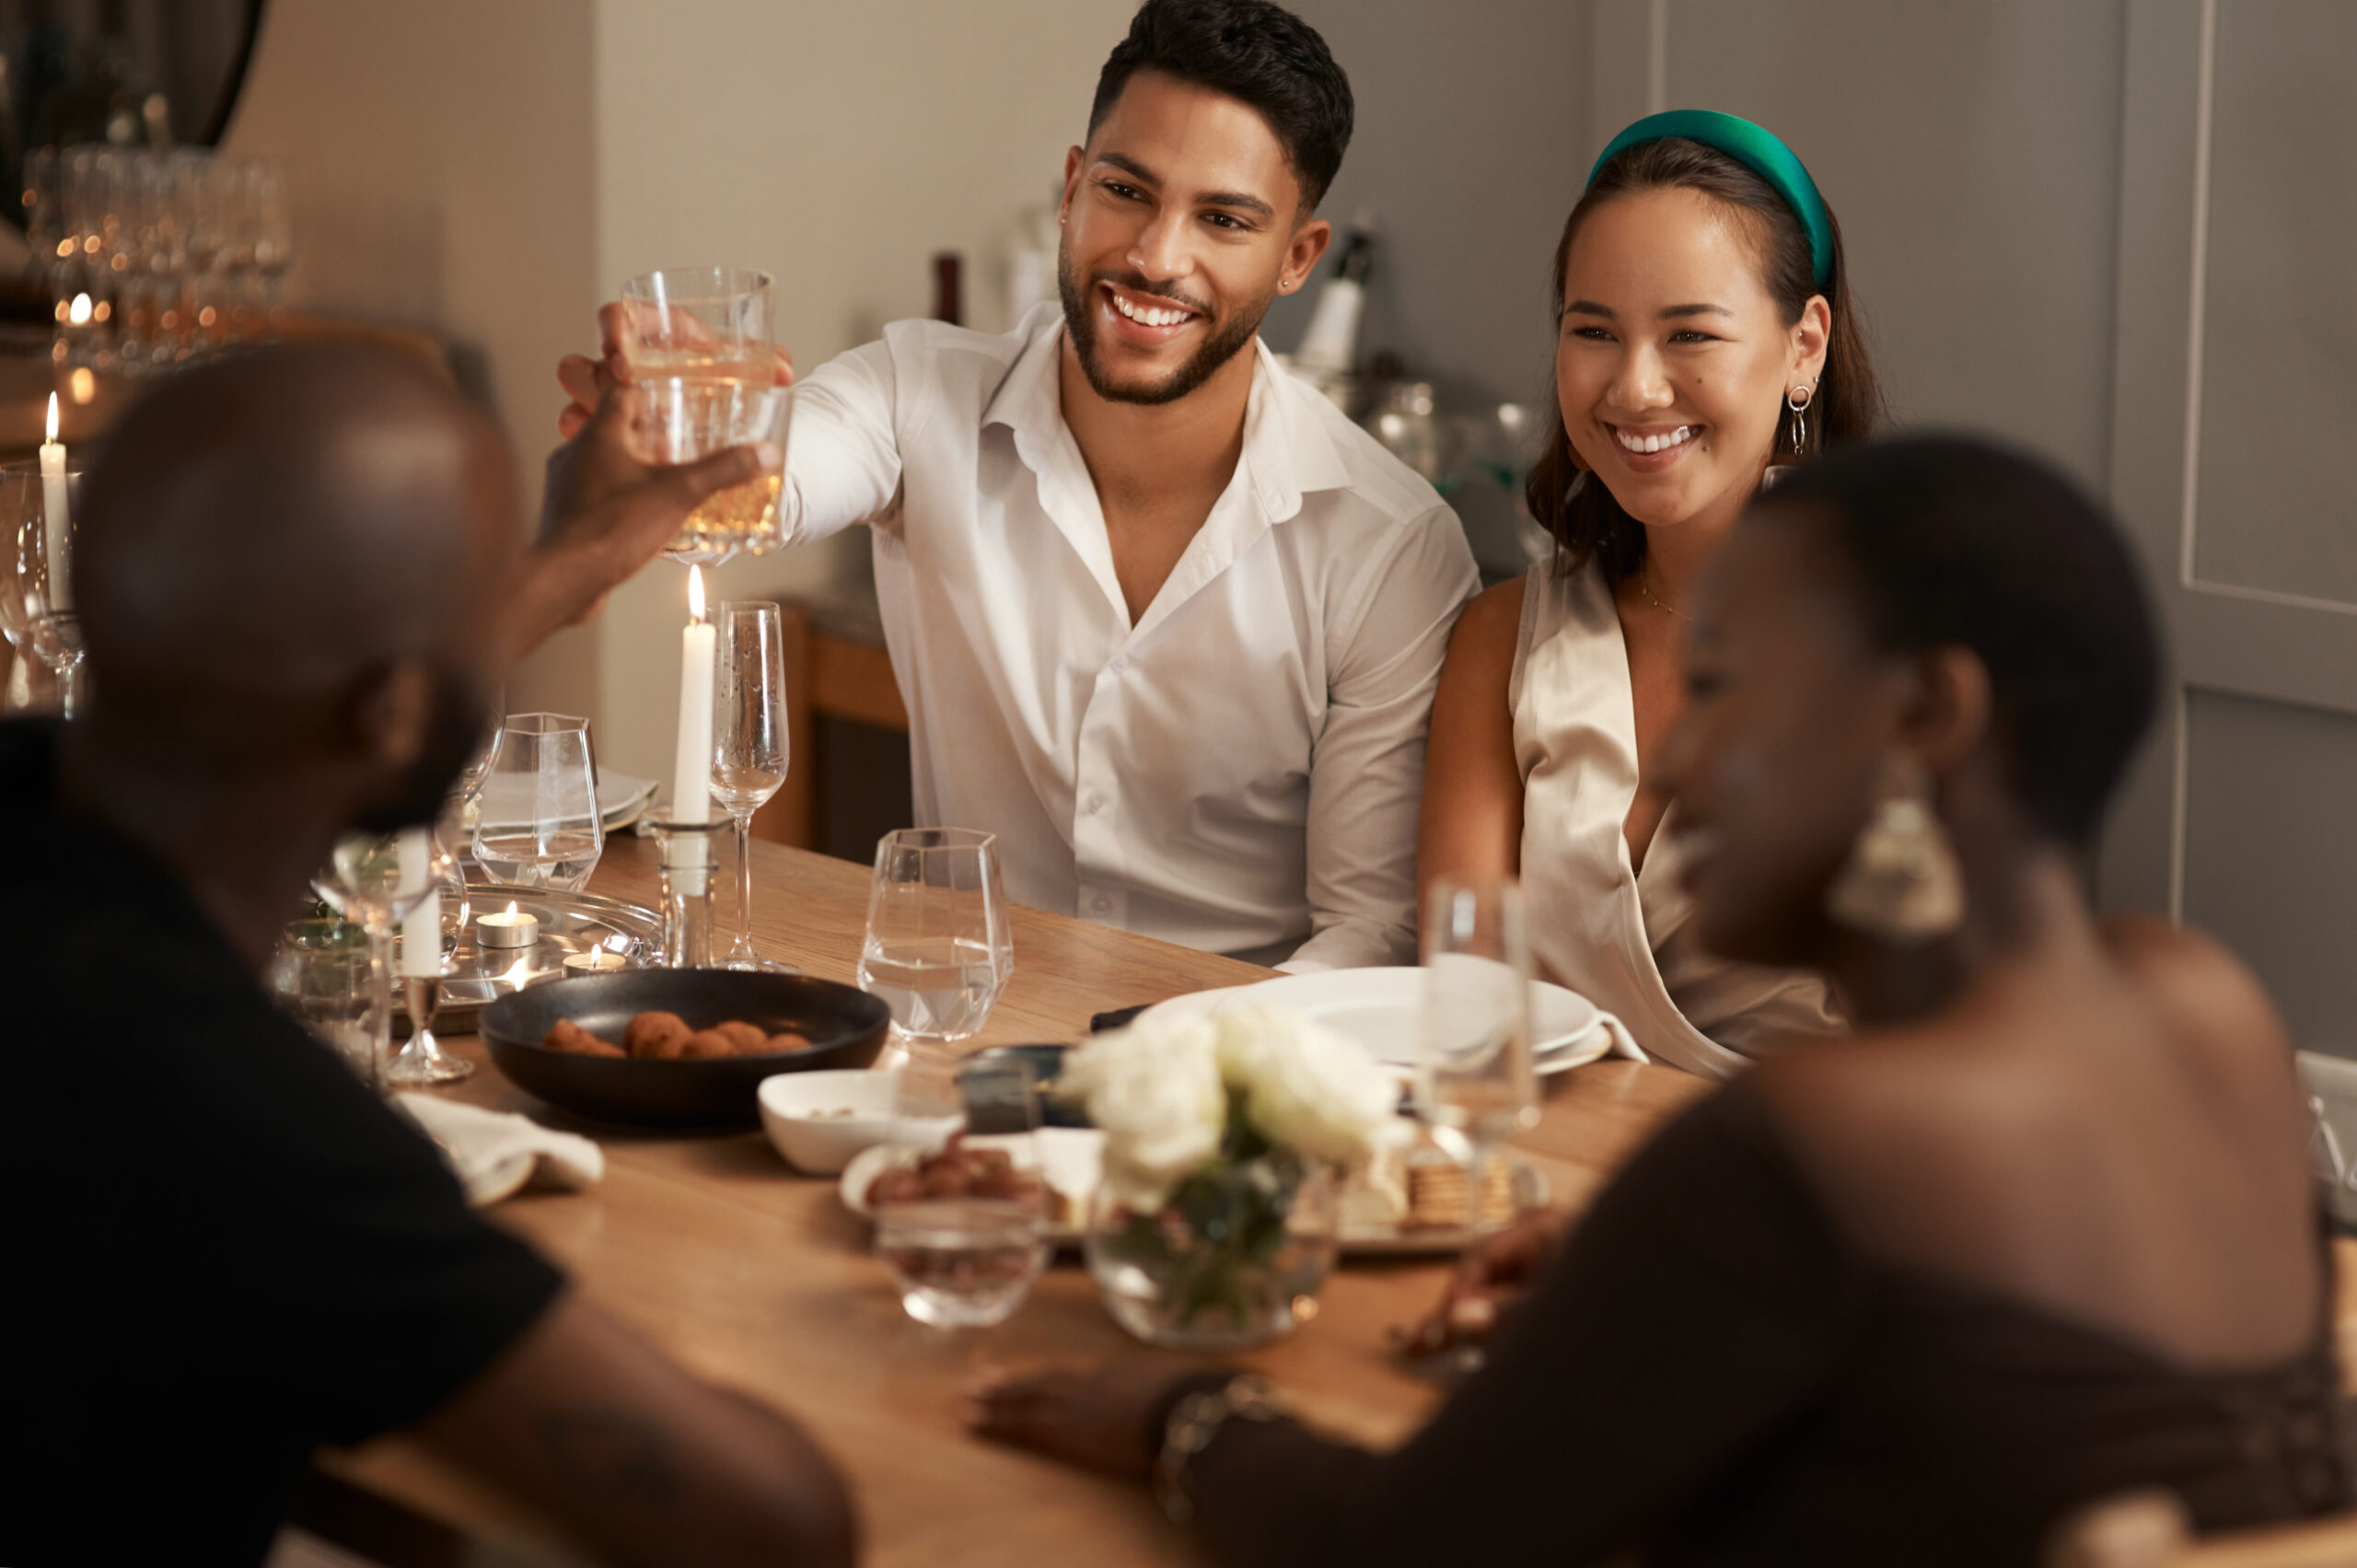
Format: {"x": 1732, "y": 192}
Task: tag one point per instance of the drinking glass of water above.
{"x": 938, "y": 947}
{"x": 962, "y": 1210}
{"x": 1476, "y": 1085}
{"x": 537, "y": 824}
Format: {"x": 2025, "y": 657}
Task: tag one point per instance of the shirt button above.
{"x": 1101, "y": 904}
{"x": 1095, "y": 803}
{"x": 1117, "y": 665}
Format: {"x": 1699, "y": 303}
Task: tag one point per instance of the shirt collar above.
{"x": 1288, "y": 450}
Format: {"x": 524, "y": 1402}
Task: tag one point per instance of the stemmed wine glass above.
{"x": 374, "y": 880}
{"x": 938, "y": 947}
{"x": 1476, "y": 1085}
{"x": 36, "y": 572}
{"x": 749, "y": 745}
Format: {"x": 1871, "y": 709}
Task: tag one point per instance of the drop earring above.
{"x": 1902, "y": 882}
{"x": 1797, "y": 402}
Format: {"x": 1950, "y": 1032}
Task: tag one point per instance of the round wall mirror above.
{"x": 126, "y": 72}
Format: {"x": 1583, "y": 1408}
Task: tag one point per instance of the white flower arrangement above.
{"x": 1175, "y": 1095}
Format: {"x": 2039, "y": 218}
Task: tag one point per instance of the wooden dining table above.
{"x": 756, "y": 1277}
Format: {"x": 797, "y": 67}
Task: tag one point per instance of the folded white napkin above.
{"x": 493, "y": 1153}
{"x": 1623, "y": 1042}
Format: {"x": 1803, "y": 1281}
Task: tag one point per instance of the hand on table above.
{"x": 1095, "y": 1415}
{"x": 1490, "y": 1280}
{"x": 586, "y": 381}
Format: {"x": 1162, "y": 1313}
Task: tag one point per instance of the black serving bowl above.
{"x": 845, "y": 1027}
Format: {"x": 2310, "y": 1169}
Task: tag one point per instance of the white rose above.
{"x": 1306, "y": 1088}
{"x": 1155, "y": 1089}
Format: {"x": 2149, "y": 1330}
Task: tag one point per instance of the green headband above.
{"x": 1757, "y": 150}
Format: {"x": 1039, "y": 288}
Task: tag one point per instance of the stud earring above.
{"x": 1797, "y": 400}
{"x": 1902, "y": 882}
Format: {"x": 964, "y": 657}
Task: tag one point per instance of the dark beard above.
{"x": 452, "y": 730}
{"x": 1081, "y": 323}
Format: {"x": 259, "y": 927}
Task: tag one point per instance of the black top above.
{"x": 222, "y": 1249}
{"x": 1712, "y": 1374}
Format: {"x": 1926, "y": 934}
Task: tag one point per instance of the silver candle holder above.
{"x": 688, "y": 863}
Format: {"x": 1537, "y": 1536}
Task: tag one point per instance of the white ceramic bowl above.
{"x": 803, "y": 1115}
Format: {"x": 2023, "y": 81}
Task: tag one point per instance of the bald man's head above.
{"x": 269, "y": 539}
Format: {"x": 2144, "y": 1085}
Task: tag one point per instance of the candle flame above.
{"x": 80, "y": 314}
{"x": 52, "y": 416}
{"x": 511, "y": 908}
{"x": 695, "y": 593}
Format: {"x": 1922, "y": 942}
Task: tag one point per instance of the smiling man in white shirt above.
{"x": 1166, "y": 622}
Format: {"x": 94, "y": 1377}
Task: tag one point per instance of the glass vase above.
{"x": 1234, "y": 1256}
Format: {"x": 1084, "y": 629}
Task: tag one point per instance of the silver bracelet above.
{"x": 1193, "y": 1423}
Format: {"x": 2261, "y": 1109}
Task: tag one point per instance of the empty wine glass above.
{"x": 538, "y": 823}
{"x": 426, "y": 943}
{"x": 938, "y": 946}
{"x": 966, "y": 1260}
{"x": 1475, "y": 1082}
{"x": 749, "y": 745}
{"x": 36, "y": 575}
{"x": 374, "y": 880}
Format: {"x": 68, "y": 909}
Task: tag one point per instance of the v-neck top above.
{"x": 1618, "y": 935}
{"x": 1239, "y": 769}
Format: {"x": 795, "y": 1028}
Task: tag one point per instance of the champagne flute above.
{"x": 938, "y": 946}
{"x": 427, "y": 942}
{"x": 373, "y": 880}
{"x": 749, "y": 745}
{"x": 1476, "y": 1085}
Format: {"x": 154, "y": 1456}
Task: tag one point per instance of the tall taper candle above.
{"x": 56, "y": 524}
{"x": 422, "y": 927}
{"x": 691, "y": 771}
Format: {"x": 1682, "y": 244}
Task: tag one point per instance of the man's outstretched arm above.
{"x": 592, "y": 1425}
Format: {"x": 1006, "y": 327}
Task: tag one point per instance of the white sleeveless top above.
{"x": 1620, "y": 937}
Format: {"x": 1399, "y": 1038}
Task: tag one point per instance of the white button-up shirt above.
{"x": 1237, "y": 771}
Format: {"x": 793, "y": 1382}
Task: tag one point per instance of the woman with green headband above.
{"x": 1704, "y": 336}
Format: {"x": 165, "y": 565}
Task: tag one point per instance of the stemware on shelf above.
{"x": 750, "y": 748}
{"x": 374, "y": 880}
{"x": 964, "y": 1261}
{"x": 1475, "y": 1084}
{"x": 538, "y": 824}
{"x": 36, "y": 575}
{"x": 938, "y": 947}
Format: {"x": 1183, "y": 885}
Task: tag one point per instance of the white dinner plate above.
{"x": 507, "y": 799}
{"x": 1382, "y": 1009}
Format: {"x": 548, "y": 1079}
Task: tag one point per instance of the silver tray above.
{"x": 475, "y": 977}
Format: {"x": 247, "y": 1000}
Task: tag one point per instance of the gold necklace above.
{"x": 1644, "y": 572}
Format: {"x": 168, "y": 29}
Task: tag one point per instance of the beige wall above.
{"x": 491, "y": 169}
{"x": 440, "y": 154}
{"x": 836, "y": 147}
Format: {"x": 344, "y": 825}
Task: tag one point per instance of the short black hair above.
{"x": 1254, "y": 53}
{"x": 1955, "y": 541}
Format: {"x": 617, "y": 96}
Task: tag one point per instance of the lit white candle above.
{"x": 422, "y": 927}
{"x": 691, "y": 772}
{"x": 57, "y": 524}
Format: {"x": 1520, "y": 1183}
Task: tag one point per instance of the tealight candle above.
{"x": 596, "y": 960}
{"x": 507, "y": 930}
